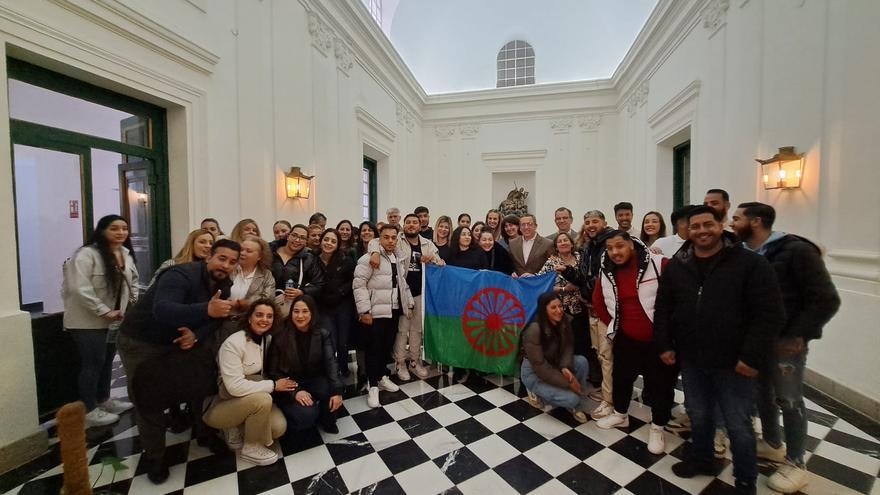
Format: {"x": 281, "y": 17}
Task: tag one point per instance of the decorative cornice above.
{"x": 685, "y": 95}
{"x": 468, "y": 130}
{"x": 322, "y": 36}
{"x": 561, "y": 126}
{"x": 590, "y": 122}
{"x": 405, "y": 117}
{"x": 344, "y": 57}
{"x": 637, "y": 98}
{"x": 514, "y": 155}
{"x": 715, "y": 15}
{"x": 132, "y": 25}
{"x": 444, "y": 131}
{"x": 365, "y": 117}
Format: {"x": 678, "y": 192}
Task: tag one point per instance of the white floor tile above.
{"x": 356, "y": 404}
{"x": 614, "y": 466}
{"x": 548, "y": 426}
{"x": 437, "y": 443}
{"x": 308, "y": 463}
{"x": 223, "y": 484}
{"x": 416, "y": 388}
{"x": 849, "y": 458}
{"x": 496, "y": 420}
{"x": 552, "y": 487}
{"x": 424, "y": 479}
{"x": 403, "y": 409}
{"x": 486, "y": 483}
{"x": 140, "y": 485}
{"x": 457, "y": 392}
{"x": 845, "y": 427}
{"x": 663, "y": 469}
{"x": 672, "y": 441}
{"x": 493, "y": 450}
{"x": 448, "y": 414}
{"x": 499, "y": 396}
{"x": 363, "y": 471}
{"x": 386, "y": 436}
{"x": 347, "y": 427}
{"x": 552, "y": 458}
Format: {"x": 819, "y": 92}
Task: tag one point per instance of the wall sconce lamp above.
{"x": 298, "y": 184}
{"x": 783, "y": 170}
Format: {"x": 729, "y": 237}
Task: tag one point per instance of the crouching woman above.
{"x": 550, "y": 371}
{"x": 304, "y": 351}
{"x": 243, "y": 408}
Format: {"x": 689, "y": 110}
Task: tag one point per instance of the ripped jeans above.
{"x": 782, "y": 387}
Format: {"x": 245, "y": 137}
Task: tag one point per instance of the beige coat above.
{"x": 85, "y": 292}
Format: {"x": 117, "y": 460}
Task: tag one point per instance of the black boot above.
{"x": 157, "y": 472}
{"x": 689, "y": 469}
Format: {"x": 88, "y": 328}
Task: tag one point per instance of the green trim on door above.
{"x": 370, "y": 166}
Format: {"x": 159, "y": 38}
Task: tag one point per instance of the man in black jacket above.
{"x": 810, "y": 301}
{"x": 717, "y": 312}
{"x": 170, "y": 328}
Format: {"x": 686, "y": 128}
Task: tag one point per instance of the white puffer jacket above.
{"x": 373, "y": 288}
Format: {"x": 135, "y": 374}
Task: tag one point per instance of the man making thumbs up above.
{"x": 165, "y": 346}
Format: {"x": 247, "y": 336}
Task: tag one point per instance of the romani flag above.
{"x": 474, "y": 318}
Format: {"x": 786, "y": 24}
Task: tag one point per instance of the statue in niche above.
{"x": 515, "y": 204}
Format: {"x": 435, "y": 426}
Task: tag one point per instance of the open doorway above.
{"x": 79, "y": 152}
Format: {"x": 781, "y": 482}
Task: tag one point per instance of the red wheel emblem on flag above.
{"x": 492, "y": 320}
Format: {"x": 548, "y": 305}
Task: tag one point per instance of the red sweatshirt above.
{"x": 634, "y": 323}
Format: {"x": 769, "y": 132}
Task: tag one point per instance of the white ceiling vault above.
{"x": 452, "y": 45}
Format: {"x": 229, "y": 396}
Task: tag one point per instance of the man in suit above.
{"x": 529, "y": 251}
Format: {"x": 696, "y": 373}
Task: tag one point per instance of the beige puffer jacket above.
{"x": 372, "y": 288}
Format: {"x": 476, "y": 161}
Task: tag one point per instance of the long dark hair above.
{"x": 350, "y": 243}
{"x": 662, "y": 233}
{"x": 99, "y": 241}
{"x": 263, "y": 301}
{"x": 548, "y": 328}
{"x": 284, "y": 341}
{"x": 337, "y": 255}
{"x": 360, "y": 248}
{"x": 454, "y": 238}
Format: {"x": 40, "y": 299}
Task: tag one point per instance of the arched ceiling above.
{"x": 452, "y": 45}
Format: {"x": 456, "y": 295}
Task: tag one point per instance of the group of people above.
{"x": 255, "y": 336}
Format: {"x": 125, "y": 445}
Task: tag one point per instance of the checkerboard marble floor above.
{"x": 438, "y": 436}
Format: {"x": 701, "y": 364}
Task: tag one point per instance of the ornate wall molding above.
{"x": 405, "y": 117}
{"x": 322, "y": 35}
{"x": 637, "y": 98}
{"x": 590, "y": 122}
{"x": 444, "y": 131}
{"x": 344, "y": 56}
{"x": 715, "y": 15}
{"x": 468, "y": 130}
{"x": 561, "y": 125}
{"x": 537, "y": 154}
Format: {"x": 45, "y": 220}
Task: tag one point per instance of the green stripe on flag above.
{"x": 492, "y": 351}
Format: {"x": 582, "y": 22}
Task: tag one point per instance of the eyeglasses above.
{"x": 298, "y": 237}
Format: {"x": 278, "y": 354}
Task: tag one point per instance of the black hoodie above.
{"x": 585, "y": 274}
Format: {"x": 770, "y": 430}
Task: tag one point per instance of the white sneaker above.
{"x": 788, "y": 478}
{"x": 387, "y": 385}
{"x": 417, "y": 369}
{"x": 720, "y": 444}
{"x": 767, "y": 452}
{"x": 402, "y": 372}
{"x": 100, "y": 417}
{"x": 258, "y": 454}
{"x": 613, "y": 420}
{"x": 373, "y": 397}
{"x": 115, "y": 406}
{"x": 604, "y": 409}
{"x": 656, "y": 441}
{"x": 234, "y": 438}
{"x": 578, "y": 415}
{"x": 534, "y": 400}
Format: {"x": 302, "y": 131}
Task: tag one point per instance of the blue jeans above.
{"x": 555, "y": 396}
{"x": 339, "y": 321}
{"x": 782, "y": 386}
{"x": 300, "y": 417}
{"x": 96, "y": 365}
{"x": 735, "y": 394}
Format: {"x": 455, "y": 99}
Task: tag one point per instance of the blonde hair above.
{"x": 236, "y": 234}
{"x": 265, "y": 261}
{"x": 448, "y": 221}
{"x": 185, "y": 255}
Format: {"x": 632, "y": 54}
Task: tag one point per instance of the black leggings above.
{"x": 377, "y": 340}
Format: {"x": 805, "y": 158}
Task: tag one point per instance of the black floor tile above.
{"x": 119, "y": 449}
{"x": 468, "y": 431}
{"x": 349, "y": 448}
{"x": 43, "y": 486}
{"x": 854, "y": 443}
{"x": 475, "y": 405}
{"x": 327, "y": 483}
{"x": 583, "y": 479}
{"x": 578, "y": 444}
{"x": 208, "y": 468}
{"x": 298, "y": 441}
{"x": 521, "y": 410}
{"x": 419, "y": 424}
{"x": 522, "y": 437}
{"x": 403, "y": 456}
{"x": 821, "y": 418}
{"x": 843, "y": 475}
{"x": 30, "y": 470}
{"x": 460, "y": 465}
{"x": 649, "y": 483}
{"x": 636, "y": 451}
{"x": 388, "y": 486}
{"x": 430, "y": 400}
{"x": 372, "y": 418}
{"x": 259, "y": 479}
{"x": 522, "y": 474}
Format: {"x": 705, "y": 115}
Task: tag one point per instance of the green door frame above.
{"x": 370, "y": 165}
{"x": 680, "y": 160}
{"x": 30, "y": 134}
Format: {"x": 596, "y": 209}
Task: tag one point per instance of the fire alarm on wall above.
{"x": 74, "y": 208}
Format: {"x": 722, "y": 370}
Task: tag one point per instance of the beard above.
{"x": 219, "y": 275}
{"x": 410, "y": 235}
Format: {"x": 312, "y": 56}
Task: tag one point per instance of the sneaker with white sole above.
{"x": 768, "y": 453}
{"x": 373, "y": 397}
{"x": 387, "y": 385}
{"x": 534, "y": 400}
{"x": 788, "y": 478}
{"x": 596, "y": 394}
{"x": 418, "y": 369}
{"x": 720, "y": 444}
{"x": 656, "y": 441}
{"x": 258, "y": 454}
{"x": 604, "y": 409}
{"x": 613, "y": 420}
{"x": 115, "y": 406}
{"x": 100, "y": 417}
{"x": 402, "y": 371}
{"x": 578, "y": 415}
{"x": 234, "y": 438}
